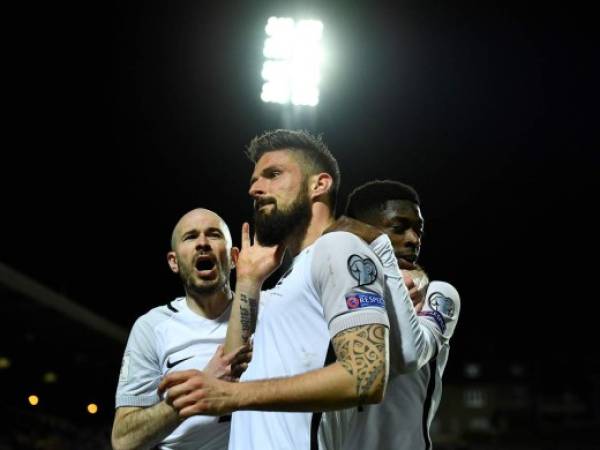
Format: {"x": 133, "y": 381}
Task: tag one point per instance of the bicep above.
{"x": 362, "y": 351}
{"x": 362, "y": 344}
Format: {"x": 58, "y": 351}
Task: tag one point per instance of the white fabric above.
{"x": 296, "y": 321}
{"x": 419, "y": 346}
{"x": 163, "y": 336}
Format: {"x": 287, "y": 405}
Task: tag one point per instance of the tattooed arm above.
{"x": 362, "y": 352}
{"x": 244, "y": 312}
{"x": 358, "y": 376}
{"x": 254, "y": 265}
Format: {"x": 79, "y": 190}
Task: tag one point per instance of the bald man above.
{"x": 184, "y": 334}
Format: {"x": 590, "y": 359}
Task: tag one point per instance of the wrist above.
{"x": 170, "y": 412}
{"x": 240, "y": 395}
{"x": 249, "y": 283}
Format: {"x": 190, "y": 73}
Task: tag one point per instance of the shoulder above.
{"x": 341, "y": 244}
{"x": 157, "y": 315}
{"x": 339, "y": 237}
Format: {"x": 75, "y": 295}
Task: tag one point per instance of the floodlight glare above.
{"x": 293, "y": 55}
{"x": 92, "y": 408}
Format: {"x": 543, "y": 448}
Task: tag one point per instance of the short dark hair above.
{"x": 314, "y": 152}
{"x": 372, "y": 195}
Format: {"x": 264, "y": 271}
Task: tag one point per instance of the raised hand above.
{"x": 256, "y": 262}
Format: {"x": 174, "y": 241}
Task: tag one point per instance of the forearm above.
{"x": 142, "y": 428}
{"x": 411, "y": 345}
{"x": 358, "y": 376}
{"x": 244, "y": 313}
{"x": 321, "y": 390}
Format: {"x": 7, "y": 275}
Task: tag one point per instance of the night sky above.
{"x": 125, "y": 115}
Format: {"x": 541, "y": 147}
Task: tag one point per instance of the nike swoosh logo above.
{"x": 170, "y": 364}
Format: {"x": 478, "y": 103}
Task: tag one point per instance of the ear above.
{"x": 320, "y": 184}
{"x": 172, "y": 260}
{"x": 235, "y": 254}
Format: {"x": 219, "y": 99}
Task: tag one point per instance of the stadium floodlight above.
{"x": 292, "y": 69}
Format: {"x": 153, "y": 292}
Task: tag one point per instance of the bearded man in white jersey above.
{"x": 182, "y": 334}
{"x": 332, "y": 294}
{"x": 419, "y": 342}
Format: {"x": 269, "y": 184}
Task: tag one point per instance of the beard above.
{"x": 274, "y": 227}
{"x": 209, "y": 287}
{"x": 201, "y": 286}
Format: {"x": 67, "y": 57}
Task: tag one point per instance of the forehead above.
{"x": 401, "y": 208}
{"x": 276, "y": 158}
{"x": 200, "y": 219}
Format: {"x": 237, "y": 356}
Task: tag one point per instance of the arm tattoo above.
{"x": 248, "y": 313}
{"x": 361, "y": 351}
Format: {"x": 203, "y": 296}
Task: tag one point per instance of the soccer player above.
{"x": 419, "y": 343}
{"x": 333, "y": 293}
{"x": 182, "y": 334}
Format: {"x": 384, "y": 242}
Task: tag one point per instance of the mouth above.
{"x": 204, "y": 264}
{"x": 411, "y": 257}
{"x": 261, "y": 203}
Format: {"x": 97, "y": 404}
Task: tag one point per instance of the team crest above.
{"x": 442, "y": 304}
{"x": 363, "y": 270}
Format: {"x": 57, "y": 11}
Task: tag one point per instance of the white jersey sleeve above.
{"x": 140, "y": 369}
{"x": 415, "y": 338}
{"x": 349, "y": 282}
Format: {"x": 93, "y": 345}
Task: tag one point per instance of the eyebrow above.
{"x": 196, "y": 231}
{"x": 188, "y": 232}
{"x": 418, "y": 221}
{"x": 265, "y": 171}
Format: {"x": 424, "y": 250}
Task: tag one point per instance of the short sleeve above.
{"x": 349, "y": 281}
{"x": 140, "y": 369}
{"x": 441, "y": 309}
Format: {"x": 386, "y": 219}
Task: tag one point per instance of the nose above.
{"x": 202, "y": 242}
{"x": 412, "y": 239}
{"x": 257, "y": 188}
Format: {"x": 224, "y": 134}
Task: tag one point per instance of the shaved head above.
{"x": 189, "y": 218}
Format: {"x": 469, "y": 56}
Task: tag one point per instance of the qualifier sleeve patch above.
{"x": 356, "y": 300}
{"x": 363, "y": 270}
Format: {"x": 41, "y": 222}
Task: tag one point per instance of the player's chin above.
{"x": 406, "y": 264}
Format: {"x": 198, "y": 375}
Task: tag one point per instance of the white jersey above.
{"x": 333, "y": 285}
{"x": 419, "y": 346}
{"x": 165, "y": 339}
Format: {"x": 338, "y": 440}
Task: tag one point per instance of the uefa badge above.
{"x": 442, "y": 304}
{"x": 363, "y": 270}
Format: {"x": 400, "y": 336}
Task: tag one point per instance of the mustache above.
{"x": 260, "y": 202}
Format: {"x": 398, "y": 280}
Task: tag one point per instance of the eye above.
{"x": 273, "y": 173}
{"x": 399, "y": 228}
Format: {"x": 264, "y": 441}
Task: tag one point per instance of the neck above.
{"x": 210, "y": 305}
{"x": 321, "y": 220}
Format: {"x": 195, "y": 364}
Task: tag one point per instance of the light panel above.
{"x": 292, "y": 69}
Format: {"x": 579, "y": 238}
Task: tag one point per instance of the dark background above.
{"x": 122, "y": 116}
